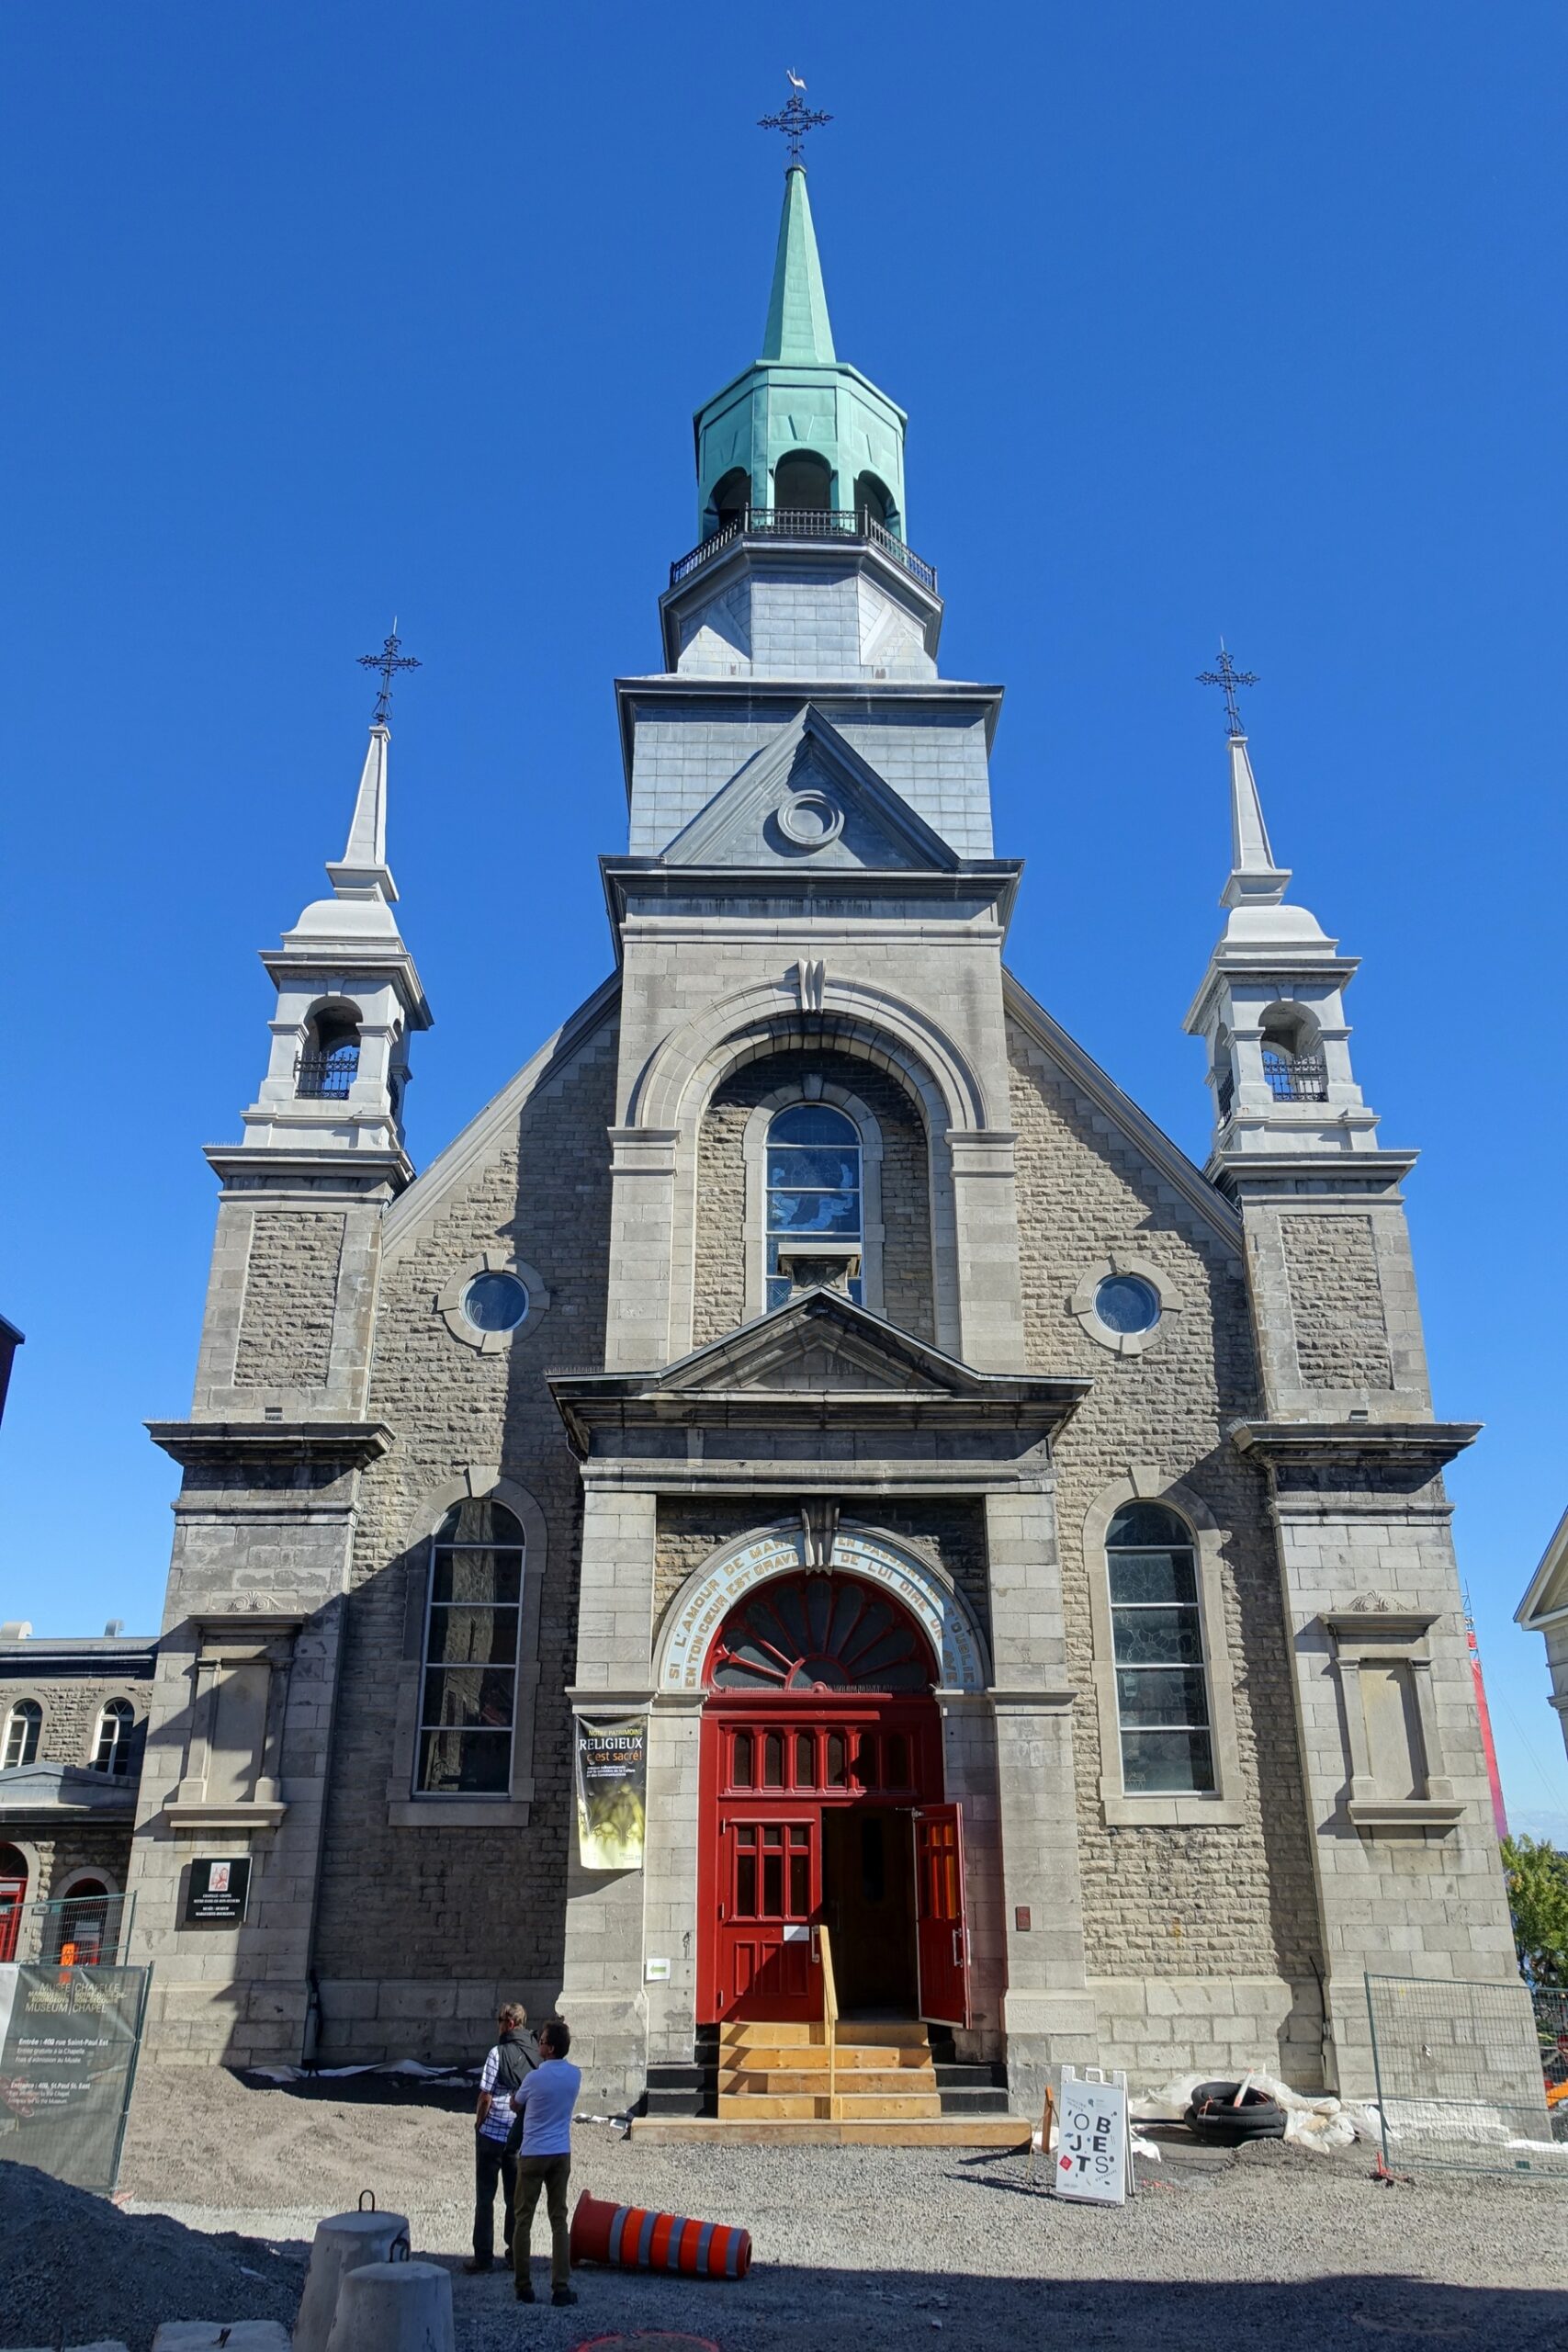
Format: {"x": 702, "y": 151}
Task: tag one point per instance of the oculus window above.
{"x": 814, "y": 1184}
{"x": 469, "y": 1688}
{"x": 1162, "y": 1689}
{"x": 495, "y": 1301}
{"x": 1126, "y": 1305}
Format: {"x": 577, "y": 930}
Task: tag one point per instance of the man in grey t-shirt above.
{"x": 540, "y": 2139}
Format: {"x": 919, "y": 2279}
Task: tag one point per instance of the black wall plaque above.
{"x": 219, "y": 1890}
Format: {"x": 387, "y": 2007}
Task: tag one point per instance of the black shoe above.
{"x": 527, "y": 2295}
{"x": 564, "y": 2295}
{"x": 479, "y": 2262}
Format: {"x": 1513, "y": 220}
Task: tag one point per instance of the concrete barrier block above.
{"x": 394, "y": 2307}
{"x": 344, "y": 2243}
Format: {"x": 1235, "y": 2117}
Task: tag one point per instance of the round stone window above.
{"x": 494, "y": 1302}
{"x": 810, "y": 820}
{"x": 1127, "y": 1304}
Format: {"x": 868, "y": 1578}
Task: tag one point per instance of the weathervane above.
{"x": 1228, "y": 676}
{"x": 389, "y": 661}
{"x": 794, "y": 119}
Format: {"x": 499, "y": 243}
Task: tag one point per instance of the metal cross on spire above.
{"x": 1228, "y": 676}
{"x": 389, "y": 661}
{"x": 794, "y": 119}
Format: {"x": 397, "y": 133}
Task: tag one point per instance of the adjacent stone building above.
{"x": 72, "y": 1718}
{"x": 1015, "y": 1550}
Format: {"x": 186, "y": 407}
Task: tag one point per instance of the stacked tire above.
{"x": 1213, "y": 2117}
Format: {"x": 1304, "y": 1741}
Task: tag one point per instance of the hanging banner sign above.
{"x": 611, "y": 1787}
{"x": 68, "y": 2043}
{"x": 1091, "y": 2142}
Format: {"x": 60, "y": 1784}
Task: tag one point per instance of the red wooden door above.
{"x": 770, "y": 1899}
{"x": 941, "y": 1942}
{"x": 13, "y": 1895}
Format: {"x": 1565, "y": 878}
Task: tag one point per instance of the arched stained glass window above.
{"x": 469, "y": 1697}
{"x": 814, "y": 1185}
{"x": 1162, "y": 1684}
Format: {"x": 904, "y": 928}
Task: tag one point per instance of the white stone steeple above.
{"x": 1271, "y": 1007}
{"x": 348, "y": 998}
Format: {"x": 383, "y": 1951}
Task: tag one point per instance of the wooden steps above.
{"x": 877, "y": 2071}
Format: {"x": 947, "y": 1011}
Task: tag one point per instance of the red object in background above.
{"x": 941, "y": 1936}
{"x": 13, "y": 1895}
{"x": 1488, "y": 1746}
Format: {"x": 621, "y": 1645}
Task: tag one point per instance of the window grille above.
{"x": 1162, "y": 1692}
{"x": 468, "y": 1691}
{"x": 814, "y": 1185}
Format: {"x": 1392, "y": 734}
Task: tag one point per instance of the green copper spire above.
{"x": 798, "y": 326}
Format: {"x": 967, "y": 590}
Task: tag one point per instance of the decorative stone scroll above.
{"x": 708, "y": 1596}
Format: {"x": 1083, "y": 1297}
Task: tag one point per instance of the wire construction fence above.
{"x": 1470, "y": 2077}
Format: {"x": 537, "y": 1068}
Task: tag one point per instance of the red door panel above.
{"x": 13, "y": 1895}
{"x": 770, "y": 1897}
{"x": 942, "y": 1939}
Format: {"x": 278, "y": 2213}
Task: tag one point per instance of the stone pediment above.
{"x": 818, "y": 1341}
{"x": 809, "y": 799}
{"x": 818, "y": 1363}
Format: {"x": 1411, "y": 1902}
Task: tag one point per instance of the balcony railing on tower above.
{"x": 327, "y": 1078}
{"x": 803, "y": 523}
{"x": 1295, "y": 1078}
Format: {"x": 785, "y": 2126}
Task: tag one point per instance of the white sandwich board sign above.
{"x": 1091, "y": 2140}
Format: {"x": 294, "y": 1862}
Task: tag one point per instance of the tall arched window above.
{"x": 1162, "y": 1689}
{"x": 23, "y": 1726}
{"x": 803, "y": 484}
{"x": 814, "y": 1185}
{"x": 468, "y": 1698}
{"x": 111, "y": 1748}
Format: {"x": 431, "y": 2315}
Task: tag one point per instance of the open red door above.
{"x": 942, "y": 1942}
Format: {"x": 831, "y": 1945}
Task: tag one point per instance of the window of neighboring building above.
{"x": 23, "y": 1726}
{"x": 470, "y": 1682}
{"x": 111, "y": 1749}
{"x": 1162, "y": 1694}
{"x": 814, "y": 1184}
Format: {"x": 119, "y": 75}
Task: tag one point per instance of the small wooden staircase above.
{"x": 830, "y": 2082}
{"x": 821, "y": 2074}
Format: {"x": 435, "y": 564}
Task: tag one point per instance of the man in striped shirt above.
{"x": 508, "y": 2064}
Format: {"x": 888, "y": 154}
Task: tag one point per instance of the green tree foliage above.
{"x": 1537, "y": 1875}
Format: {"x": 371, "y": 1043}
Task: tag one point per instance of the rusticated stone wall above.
{"x": 286, "y": 1331}
{"x": 1337, "y": 1303}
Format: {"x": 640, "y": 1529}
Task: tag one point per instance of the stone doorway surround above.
{"x": 812, "y": 1414}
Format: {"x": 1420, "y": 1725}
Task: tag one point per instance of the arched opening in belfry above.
{"x": 329, "y": 1061}
{"x": 803, "y": 484}
{"x": 873, "y": 503}
{"x": 729, "y": 500}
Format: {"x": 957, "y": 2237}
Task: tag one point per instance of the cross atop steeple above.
{"x": 794, "y": 119}
{"x": 389, "y": 661}
{"x": 1228, "y": 676}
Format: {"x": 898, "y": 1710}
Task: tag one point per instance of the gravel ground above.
{"x": 880, "y": 2249}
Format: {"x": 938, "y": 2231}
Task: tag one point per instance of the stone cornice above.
{"x": 1368, "y": 1451}
{"x": 353, "y": 1444}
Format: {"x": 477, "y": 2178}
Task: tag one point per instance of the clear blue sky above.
{"x": 1230, "y": 318}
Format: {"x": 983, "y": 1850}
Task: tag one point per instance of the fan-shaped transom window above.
{"x": 817, "y": 1632}
{"x": 23, "y": 1727}
{"x": 468, "y": 1696}
{"x": 111, "y": 1747}
{"x": 1162, "y": 1691}
{"x": 814, "y": 1185}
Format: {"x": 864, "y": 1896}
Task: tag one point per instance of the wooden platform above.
{"x": 1003, "y": 2132}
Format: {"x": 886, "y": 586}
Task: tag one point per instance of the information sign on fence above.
{"x": 68, "y": 2043}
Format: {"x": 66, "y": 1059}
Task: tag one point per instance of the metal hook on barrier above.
{"x": 363, "y": 2195}
{"x": 400, "y": 2250}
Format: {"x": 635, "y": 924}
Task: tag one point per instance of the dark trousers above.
{"x": 550, "y": 2174}
{"x": 491, "y": 2164}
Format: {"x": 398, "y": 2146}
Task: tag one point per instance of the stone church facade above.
{"x": 1016, "y": 1545}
